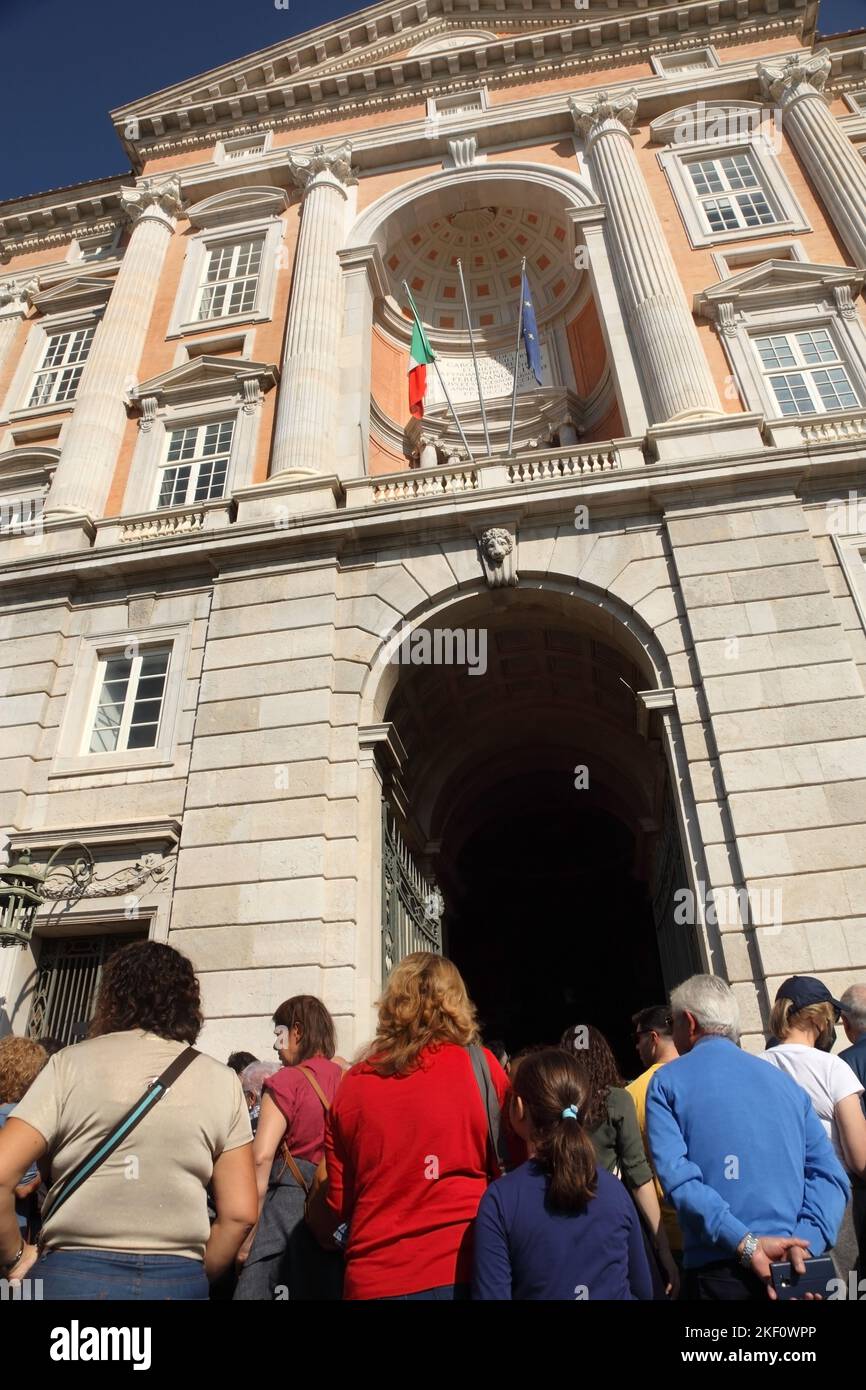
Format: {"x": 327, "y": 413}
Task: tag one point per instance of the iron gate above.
{"x": 677, "y": 942}
{"x": 70, "y": 969}
{"x": 411, "y": 904}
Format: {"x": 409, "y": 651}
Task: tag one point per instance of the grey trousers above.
{"x": 285, "y": 1262}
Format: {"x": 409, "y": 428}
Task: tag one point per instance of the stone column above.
{"x": 13, "y": 307}
{"x": 95, "y": 432}
{"x": 670, "y": 356}
{"x": 309, "y": 396}
{"x": 834, "y": 165}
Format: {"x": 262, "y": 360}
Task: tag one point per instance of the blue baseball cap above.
{"x": 803, "y": 990}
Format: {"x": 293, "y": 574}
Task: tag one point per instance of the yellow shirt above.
{"x": 637, "y": 1090}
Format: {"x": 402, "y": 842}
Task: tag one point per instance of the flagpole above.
{"x": 517, "y": 357}
{"x": 439, "y": 374}
{"x": 474, "y": 358}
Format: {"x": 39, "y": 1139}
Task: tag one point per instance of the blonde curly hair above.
{"x": 425, "y": 1003}
{"x": 21, "y": 1061}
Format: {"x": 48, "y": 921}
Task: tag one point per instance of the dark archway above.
{"x": 548, "y": 922}
{"x": 535, "y": 792}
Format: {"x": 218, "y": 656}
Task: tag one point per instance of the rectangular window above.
{"x": 61, "y": 367}
{"x": 129, "y": 703}
{"x": 231, "y": 279}
{"x": 730, "y": 193}
{"x": 806, "y": 372}
{"x": 196, "y": 464}
{"x": 67, "y": 983}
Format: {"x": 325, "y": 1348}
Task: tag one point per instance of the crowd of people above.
{"x": 433, "y": 1167}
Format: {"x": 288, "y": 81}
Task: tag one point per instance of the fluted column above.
{"x": 670, "y": 356}
{"x": 835, "y": 166}
{"x": 95, "y": 432}
{"x": 308, "y": 402}
{"x": 13, "y": 307}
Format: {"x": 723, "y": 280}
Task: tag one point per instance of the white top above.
{"x": 825, "y": 1078}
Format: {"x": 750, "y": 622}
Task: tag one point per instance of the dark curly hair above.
{"x": 597, "y": 1065}
{"x": 151, "y": 986}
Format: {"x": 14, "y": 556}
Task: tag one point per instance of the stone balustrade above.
{"x": 541, "y": 466}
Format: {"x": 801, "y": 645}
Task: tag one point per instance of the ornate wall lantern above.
{"x": 22, "y": 891}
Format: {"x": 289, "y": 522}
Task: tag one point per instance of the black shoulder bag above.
{"x": 105, "y": 1147}
{"x": 495, "y": 1129}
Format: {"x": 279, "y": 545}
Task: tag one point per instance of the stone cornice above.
{"x": 603, "y": 39}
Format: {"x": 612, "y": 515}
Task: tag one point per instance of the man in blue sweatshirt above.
{"x": 743, "y": 1159}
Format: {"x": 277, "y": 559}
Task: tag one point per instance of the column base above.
{"x": 63, "y": 531}
{"x": 295, "y": 492}
{"x": 691, "y": 437}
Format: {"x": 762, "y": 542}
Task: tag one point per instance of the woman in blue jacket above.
{"x": 557, "y": 1227}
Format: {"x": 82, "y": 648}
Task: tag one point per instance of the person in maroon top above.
{"x": 281, "y": 1258}
{"x": 406, "y": 1141}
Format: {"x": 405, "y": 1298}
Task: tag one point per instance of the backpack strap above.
{"x": 490, "y": 1101}
{"x": 105, "y": 1147}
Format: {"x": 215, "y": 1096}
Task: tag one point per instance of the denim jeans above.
{"x": 445, "y": 1293}
{"x": 108, "y": 1276}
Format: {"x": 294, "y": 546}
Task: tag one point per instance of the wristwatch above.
{"x": 750, "y": 1245}
{"x": 7, "y": 1266}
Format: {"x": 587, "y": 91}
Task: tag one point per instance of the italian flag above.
{"x": 420, "y": 354}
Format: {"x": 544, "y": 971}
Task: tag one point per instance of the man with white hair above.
{"x": 853, "y": 1010}
{"x": 740, "y": 1153}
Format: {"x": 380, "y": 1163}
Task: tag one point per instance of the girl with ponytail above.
{"x": 557, "y": 1227}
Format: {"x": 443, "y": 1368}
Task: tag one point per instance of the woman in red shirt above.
{"x": 281, "y": 1259}
{"x": 407, "y": 1143}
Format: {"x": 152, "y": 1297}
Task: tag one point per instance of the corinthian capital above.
{"x": 159, "y": 196}
{"x": 594, "y": 115}
{"x": 17, "y": 292}
{"x": 331, "y": 165}
{"x": 781, "y": 81}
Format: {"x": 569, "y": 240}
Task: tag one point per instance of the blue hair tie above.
{"x": 570, "y": 1112}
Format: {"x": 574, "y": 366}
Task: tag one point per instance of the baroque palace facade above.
{"x": 316, "y": 682}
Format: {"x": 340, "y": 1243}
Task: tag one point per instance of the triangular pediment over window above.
{"x": 238, "y": 205}
{"x": 206, "y": 378}
{"x": 83, "y": 292}
{"x": 779, "y": 283}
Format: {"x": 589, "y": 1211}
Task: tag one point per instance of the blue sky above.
{"x": 68, "y": 62}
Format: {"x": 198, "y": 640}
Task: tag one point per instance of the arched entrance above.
{"x": 534, "y": 791}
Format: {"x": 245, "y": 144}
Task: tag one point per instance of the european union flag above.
{"x": 530, "y": 331}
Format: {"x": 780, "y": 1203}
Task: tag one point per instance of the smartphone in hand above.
{"x": 789, "y": 1284}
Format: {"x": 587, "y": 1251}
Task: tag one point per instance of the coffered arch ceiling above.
{"x": 490, "y": 241}
{"x": 553, "y": 696}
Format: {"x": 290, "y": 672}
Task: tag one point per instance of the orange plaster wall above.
{"x": 608, "y": 428}
{"x": 384, "y": 460}
{"x": 389, "y": 369}
{"x": 18, "y": 345}
{"x": 588, "y": 356}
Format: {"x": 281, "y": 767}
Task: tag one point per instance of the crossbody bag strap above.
{"x": 288, "y": 1160}
{"x": 492, "y": 1108}
{"x": 106, "y": 1146}
{"x": 316, "y": 1087}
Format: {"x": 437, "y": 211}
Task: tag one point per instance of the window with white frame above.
{"x": 730, "y": 192}
{"x": 62, "y": 363}
{"x": 196, "y": 464}
{"x": 231, "y": 279}
{"x": 806, "y": 371}
{"x": 129, "y": 699}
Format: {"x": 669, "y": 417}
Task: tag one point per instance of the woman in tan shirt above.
{"x": 137, "y": 1227}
